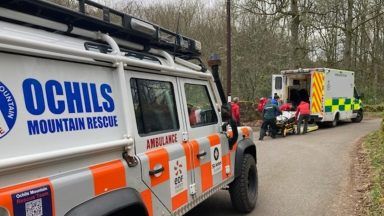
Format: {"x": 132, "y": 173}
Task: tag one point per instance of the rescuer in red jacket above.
{"x": 236, "y": 110}
{"x": 302, "y": 114}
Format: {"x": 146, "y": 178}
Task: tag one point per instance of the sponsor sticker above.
{"x": 216, "y": 159}
{"x": 178, "y": 171}
{"x": 33, "y": 202}
{"x": 8, "y": 110}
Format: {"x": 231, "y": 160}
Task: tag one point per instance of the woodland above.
{"x": 272, "y": 35}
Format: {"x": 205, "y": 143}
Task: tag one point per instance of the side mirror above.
{"x": 226, "y": 115}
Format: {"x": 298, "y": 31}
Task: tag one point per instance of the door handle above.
{"x": 156, "y": 171}
{"x": 202, "y": 154}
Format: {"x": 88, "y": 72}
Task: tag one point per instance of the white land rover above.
{"x": 111, "y": 118}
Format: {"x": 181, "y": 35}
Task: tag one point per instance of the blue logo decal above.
{"x": 8, "y": 110}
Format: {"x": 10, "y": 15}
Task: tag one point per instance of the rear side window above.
{"x": 155, "y": 107}
{"x": 278, "y": 83}
{"x": 200, "y": 109}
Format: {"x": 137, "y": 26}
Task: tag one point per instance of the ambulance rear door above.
{"x": 278, "y": 85}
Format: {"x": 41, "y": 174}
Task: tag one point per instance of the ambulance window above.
{"x": 278, "y": 83}
{"x": 200, "y": 108}
{"x": 155, "y": 107}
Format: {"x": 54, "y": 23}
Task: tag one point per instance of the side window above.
{"x": 278, "y": 83}
{"x": 200, "y": 108}
{"x": 155, "y": 107}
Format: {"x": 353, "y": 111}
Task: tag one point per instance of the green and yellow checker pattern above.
{"x": 342, "y": 104}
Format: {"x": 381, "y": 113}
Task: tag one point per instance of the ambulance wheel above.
{"x": 244, "y": 188}
{"x": 335, "y": 120}
{"x": 359, "y": 117}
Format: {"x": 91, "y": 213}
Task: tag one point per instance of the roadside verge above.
{"x": 374, "y": 197}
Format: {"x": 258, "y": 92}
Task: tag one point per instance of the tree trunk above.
{"x": 348, "y": 36}
{"x": 296, "y": 51}
{"x": 376, "y": 53}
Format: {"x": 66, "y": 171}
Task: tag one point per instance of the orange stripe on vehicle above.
{"x": 188, "y": 154}
{"x": 179, "y": 200}
{"x": 206, "y": 176}
{"x": 314, "y": 96}
{"x": 226, "y": 161}
{"x": 245, "y": 132}
{"x": 317, "y": 92}
{"x": 191, "y": 149}
{"x": 214, "y": 139}
{"x": 196, "y": 150}
{"x": 314, "y": 99}
{"x": 7, "y": 192}
{"x": 158, "y": 157}
{"x": 315, "y": 74}
{"x": 318, "y": 104}
{"x": 315, "y": 106}
{"x": 147, "y": 199}
{"x": 108, "y": 176}
{"x": 318, "y": 86}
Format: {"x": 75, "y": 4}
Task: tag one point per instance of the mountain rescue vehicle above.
{"x": 331, "y": 93}
{"x": 96, "y": 117}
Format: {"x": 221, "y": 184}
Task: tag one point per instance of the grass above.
{"x": 372, "y": 115}
{"x": 374, "y": 146}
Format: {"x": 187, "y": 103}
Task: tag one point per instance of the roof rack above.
{"x": 113, "y": 22}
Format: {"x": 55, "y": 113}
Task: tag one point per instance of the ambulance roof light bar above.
{"x": 116, "y": 24}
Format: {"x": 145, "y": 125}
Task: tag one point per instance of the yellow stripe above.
{"x": 328, "y": 102}
{"x": 317, "y": 91}
{"x": 348, "y": 107}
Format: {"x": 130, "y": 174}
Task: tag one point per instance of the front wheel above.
{"x": 244, "y": 188}
{"x": 359, "y": 117}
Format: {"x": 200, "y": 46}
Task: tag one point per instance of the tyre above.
{"x": 359, "y": 117}
{"x": 244, "y": 188}
{"x": 335, "y": 121}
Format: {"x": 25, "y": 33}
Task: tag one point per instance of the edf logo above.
{"x": 8, "y": 110}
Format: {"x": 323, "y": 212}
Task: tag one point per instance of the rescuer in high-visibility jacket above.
{"x": 269, "y": 116}
{"x": 302, "y": 114}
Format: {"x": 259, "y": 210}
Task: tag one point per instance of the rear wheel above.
{"x": 244, "y": 188}
{"x": 335, "y": 120}
{"x": 359, "y": 117}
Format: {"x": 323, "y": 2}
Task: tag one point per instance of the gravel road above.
{"x": 299, "y": 175}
